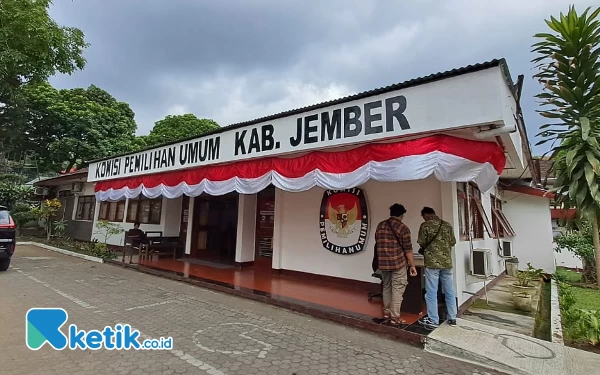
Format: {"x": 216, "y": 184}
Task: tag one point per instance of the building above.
{"x": 301, "y": 192}
{"x": 78, "y": 201}
{"x": 559, "y": 216}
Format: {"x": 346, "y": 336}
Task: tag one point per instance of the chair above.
{"x": 371, "y": 295}
{"x": 129, "y": 248}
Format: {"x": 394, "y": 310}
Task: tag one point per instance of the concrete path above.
{"x": 509, "y": 352}
{"x": 212, "y": 333}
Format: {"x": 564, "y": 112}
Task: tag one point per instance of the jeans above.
{"x": 432, "y": 278}
{"x": 394, "y": 284}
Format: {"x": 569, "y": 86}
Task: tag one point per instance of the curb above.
{"x": 62, "y": 251}
{"x": 555, "y": 319}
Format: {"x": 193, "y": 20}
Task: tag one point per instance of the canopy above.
{"x": 447, "y": 158}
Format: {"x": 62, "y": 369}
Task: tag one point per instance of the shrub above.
{"x": 589, "y": 326}
{"x": 580, "y": 242}
{"x": 101, "y": 250}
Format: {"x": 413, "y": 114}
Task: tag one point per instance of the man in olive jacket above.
{"x": 436, "y": 238}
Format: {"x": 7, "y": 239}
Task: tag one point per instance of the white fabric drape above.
{"x": 445, "y": 167}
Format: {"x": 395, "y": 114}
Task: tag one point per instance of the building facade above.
{"x": 302, "y": 191}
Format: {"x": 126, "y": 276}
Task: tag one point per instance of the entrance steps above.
{"x": 507, "y": 351}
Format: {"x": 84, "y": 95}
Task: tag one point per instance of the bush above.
{"x": 578, "y": 324}
{"x": 580, "y": 242}
{"x": 101, "y": 250}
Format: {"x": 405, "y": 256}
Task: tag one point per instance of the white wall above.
{"x": 246, "y": 228}
{"x": 530, "y": 218}
{"x": 297, "y": 244}
{"x": 169, "y": 222}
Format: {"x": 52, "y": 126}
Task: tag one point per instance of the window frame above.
{"x": 505, "y": 229}
{"x": 463, "y": 217}
{"x": 473, "y": 218}
{"x": 105, "y": 211}
{"x": 81, "y": 202}
{"x": 154, "y": 217}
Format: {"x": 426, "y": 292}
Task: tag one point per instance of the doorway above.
{"x": 215, "y": 228}
{"x": 265, "y": 220}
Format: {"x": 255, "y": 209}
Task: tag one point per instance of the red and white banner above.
{"x": 447, "y": 158}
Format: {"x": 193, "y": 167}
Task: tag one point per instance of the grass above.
{"x": 570, "y": 276}
{"x": 586, "y": 298}
{"x": 542, "y": 329}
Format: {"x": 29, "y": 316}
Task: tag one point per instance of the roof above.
{"x": 398, "y": 86}
{"x": 562, "y": 214}
{"x": 544, "y": 166}
{"x": 53, "y": 181}
{"x": 528, "y": 190}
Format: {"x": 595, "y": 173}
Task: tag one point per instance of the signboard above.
{"x": 344, "y": 221}
{"x": 438, "y": 106}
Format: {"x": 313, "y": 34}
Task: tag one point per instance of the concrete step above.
{"x": 507, "y": 351}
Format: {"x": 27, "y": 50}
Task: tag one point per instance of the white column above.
{"x": 246, "y": 228}
{"x": 277, "y": 229}
{"x": 188, "y": 238}
{"x": 450, "y": 214}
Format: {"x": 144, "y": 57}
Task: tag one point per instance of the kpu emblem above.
{"x": 344, "y": 221}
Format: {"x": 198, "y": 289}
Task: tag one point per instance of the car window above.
{"x": 4, "y": 218}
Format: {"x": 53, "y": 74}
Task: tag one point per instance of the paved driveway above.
{"x": 213, "y": 333}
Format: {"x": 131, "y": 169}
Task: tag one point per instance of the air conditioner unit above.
{"x": 40, "y": 191}
{"x": 77, "y": 187}
{"x": 481, "y": 262}
{"x": 506, "y": 249}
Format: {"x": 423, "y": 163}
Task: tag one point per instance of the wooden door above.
{"x": 215, "y": 228}
{"x": 183, "y": 224}
{"x": 265, "y": 221}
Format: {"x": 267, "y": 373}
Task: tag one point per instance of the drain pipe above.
{"x": 483, "y": 134}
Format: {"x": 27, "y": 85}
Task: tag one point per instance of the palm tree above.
{"x": 569, "y": 65}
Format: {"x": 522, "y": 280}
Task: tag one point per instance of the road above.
{"x": 212, "y": 333}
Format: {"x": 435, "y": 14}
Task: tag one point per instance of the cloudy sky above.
{"x": 236, "y": 60}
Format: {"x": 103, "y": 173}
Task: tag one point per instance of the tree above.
{"x": 176, "y": 127}
{"x": 11, "y": 193}
{"x": 569, "y": 67}
{"x": 581, "y": 243}
{"x": 34, "y": 46}
{"x": 71, "y": 126}
{"x": 47, "y": 212}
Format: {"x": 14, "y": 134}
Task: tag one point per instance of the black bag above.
{"x": 375, "y": 262}
{"x": 422, "y": 249}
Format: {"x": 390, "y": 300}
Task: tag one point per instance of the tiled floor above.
{"x": 330, "y": 296}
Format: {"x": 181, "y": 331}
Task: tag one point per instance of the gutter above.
{"x": 493, "y": 132}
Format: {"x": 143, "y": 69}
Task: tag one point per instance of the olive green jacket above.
{"x": 439, "y": 252}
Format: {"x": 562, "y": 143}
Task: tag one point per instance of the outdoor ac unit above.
{"x": 481, "y": 262}
{"x": 506, "y": 250}
{"x": 40, "y": 191}
{"x": 77, "y": 187}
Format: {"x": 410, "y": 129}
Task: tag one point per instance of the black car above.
{"x": 7, "y": 238}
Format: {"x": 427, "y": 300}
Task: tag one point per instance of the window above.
{"x": 112, "y": 211}
{"x": 480, "y": 219}
{"x": 471, "y": 215}
{"x": 85, "y": 208}
{"x": 500, "y": 224}
{"x": 145, "y": 210}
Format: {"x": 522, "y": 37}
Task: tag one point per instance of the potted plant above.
{"x": 527, "y": 280}
{"x": 522, "y": 301}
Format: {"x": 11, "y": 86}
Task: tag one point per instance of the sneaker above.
{"x": 428, "y": 324}
{"x": 452, "y": 322}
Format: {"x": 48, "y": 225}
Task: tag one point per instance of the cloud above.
{"x": 241, "y": 59}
